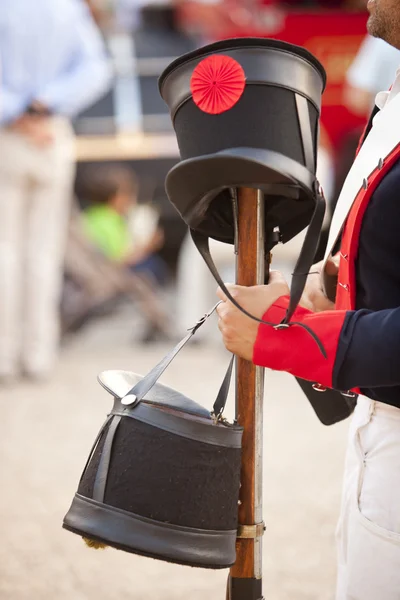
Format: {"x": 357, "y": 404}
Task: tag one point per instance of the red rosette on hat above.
{"x": 217, "y": 84}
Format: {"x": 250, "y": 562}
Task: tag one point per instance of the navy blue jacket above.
{"x": 362, "y": 345}
{"x": 368, "y": 354}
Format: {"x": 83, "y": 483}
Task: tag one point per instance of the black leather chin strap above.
{"x": 139, "y": 391}
{"x": 300, "y": 274}
{"x": 220, "y": 402}
{"x": 307, "y": 253}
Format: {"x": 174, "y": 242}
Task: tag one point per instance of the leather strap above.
{"x": 303, "y": 115}
{"x": 100, "y": 482}
{"x": 368, "y": 127}
{"x": 96, "y": 441}
{"x": 307, "y": 253}
{"x": 301, "y": 271}
{"x": 220, "y": 402}
{"x": 139, "y": 391}
{"x": 197, "y": 428}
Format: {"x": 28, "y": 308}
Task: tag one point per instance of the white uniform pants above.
{"x": 35, "y": 197}
{"x": 368, "y": 533}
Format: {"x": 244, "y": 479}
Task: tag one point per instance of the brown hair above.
{"x": 100, "y": 184}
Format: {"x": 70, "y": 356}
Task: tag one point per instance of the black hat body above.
{"x": 245, "y": 113}
{"x": 162, "y": 479}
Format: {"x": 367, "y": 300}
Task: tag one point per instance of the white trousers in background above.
{"x": 196, "y": 287}
{"x": 35, "y": 198}
{"x": 368, "y": 533}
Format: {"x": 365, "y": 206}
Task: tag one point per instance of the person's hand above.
{"x": 313, "y": 296}
{"x": 36, "y": 129}
{"x": 239, "y": 332}
{"x": 140, "y": 254}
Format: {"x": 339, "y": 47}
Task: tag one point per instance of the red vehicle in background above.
{"x": 333, "y": 36}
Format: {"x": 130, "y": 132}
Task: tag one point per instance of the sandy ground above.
{"x": 46, "y": 431}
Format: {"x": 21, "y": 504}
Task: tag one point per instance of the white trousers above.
{"x": 368, "y": 533}
{"x": 35, "y": 198}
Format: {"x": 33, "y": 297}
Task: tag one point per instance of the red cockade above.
{"x": 217, "y": 83}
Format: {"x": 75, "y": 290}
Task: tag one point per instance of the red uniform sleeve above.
{"x": 293, "y": 349}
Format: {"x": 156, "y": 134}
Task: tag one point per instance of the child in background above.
{"x": 112, "y": 216}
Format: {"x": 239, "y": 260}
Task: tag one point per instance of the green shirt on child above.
{"x": 108, "y": 230}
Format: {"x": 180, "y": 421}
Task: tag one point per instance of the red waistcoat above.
{"x": 346, "y": 288}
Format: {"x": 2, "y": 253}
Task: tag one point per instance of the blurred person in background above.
{"x": 128, "y": 13}
{"x": 373, "y": 69}
{"x": 53, "y": 65}
{"x": 95, "y": 285}
{"x": 123, "y": 231}
{"x": 95, "y": 11}
{"x": 127, "y": 234}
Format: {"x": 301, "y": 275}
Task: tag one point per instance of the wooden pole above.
{"x": 245, "y": 580}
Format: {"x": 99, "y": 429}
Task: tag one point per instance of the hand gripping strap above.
{"x": 139, "y": 391}
{"x": 300, "y": 274}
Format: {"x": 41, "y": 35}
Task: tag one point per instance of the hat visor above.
{"x": 193, "y": 185}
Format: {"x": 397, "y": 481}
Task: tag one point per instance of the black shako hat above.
{"x": 163, "y": 476}
{"x": 245, "y": 113}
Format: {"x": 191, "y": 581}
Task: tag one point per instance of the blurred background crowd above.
{"x": 97, "y": 272}
{"x": 86, "y": 142}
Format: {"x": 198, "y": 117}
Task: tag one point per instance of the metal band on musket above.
{"x": 251, "y": 531}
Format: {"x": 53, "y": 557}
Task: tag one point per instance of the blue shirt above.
{"x": 51, "y": 51}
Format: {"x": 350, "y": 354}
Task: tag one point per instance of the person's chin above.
{"x": 371, "y": 27}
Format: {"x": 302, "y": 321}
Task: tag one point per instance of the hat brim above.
{"x": 199, "y": 190}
